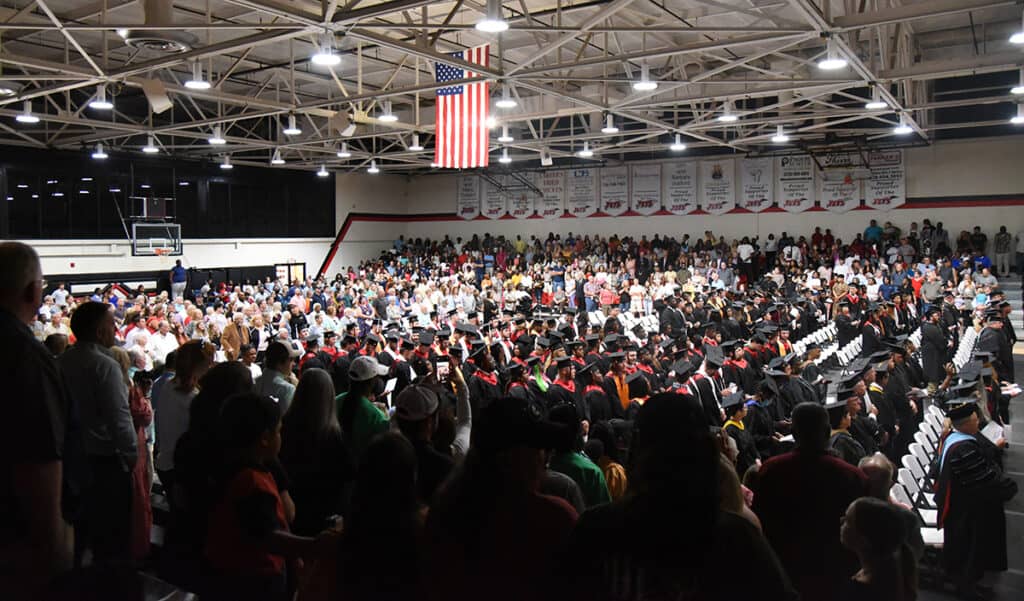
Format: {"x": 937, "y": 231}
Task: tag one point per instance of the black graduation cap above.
{"x": 850, "y": 380}
{"x": 611, "y": 339}
{"x": 616, "y": 356}
{"x": 960, "y": 408}
{"x": 845, "y": 391}
{"x": 570, "y": 310}
{"x": 508, "y": 311}
{"x": 759, "y": 337}
{"x": 515, "y": 370}
{"x": 769, "y": 371}
{"x": 971, "y": 371}
{"x": 962, "y": 390}
{"x": 639, "y": 331}
{"x": 426, "y": 338}
{"x": 563, "y": 362}
{"x": 376, "y": 321}
{"x": 638, "y": 384}
{"x": 330, "y": 334}
{"x": 666, "y": 344}
{"x": 587, "y": 369}
{"x": 811, "y": 346}
{"x": 519, "y": 321}
{"x": 476, "y": 349}
{"x": 993, "y": 315}
{"x": 777, "y": 363}
{"x": 592, "y": 338}
{"x": 573, "y": 344}
{"x": 715, "y": 357}
{"x": 531, "y": 361}
{"x": 391, "y": 335}
{"x": 873, "y": 307}
{"x": 371, "y": 337}
{"x": 880, "y": 356}
{"x": 730, "y": 345}
{"x": 312, "y": 338}
{"x": 432, "y": 314}
{"x": 882, "y": 367}
{"x": 451, "y": 312}
{"x": 407, "y": 344}
{"x": 444, "y": 333}
{"x": 466, "y": 328}
{"x": 836, "y": 411}
{"x": 631, "y": 347}
{"x": 682, "y": 368}
{"x": 455, "y": 350}
{"x": 732, "y": 402}
{"x": 543, "y": 342}
{"x": 348, "y": 339}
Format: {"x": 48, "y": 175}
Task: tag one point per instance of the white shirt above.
{"x": 745, "y": 251}
{"x": 161, "y": 344}
{"x": 170, "y": 414}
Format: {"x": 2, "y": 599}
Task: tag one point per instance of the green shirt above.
{"x": 367, "y": 423}
{"x": 586, "y": 474}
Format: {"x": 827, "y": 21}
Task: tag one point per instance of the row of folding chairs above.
{"x": 826, "y": 333}
{"x": 851, "y": 351}
{"x": 965, "y": 349}
{"x": 914, "y": 485}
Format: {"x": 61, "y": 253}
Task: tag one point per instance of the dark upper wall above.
{"x": 245, "y": 202}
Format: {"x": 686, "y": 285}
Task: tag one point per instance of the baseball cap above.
{"x": 509, "y": 422}
{"x": 364, "y": 368}
{"x": 415, "y": 403}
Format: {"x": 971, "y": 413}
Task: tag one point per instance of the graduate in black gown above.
{"x": 841, "y": 443}
{"x": 760, "y": 423}
{"x": 971, "y": 491}
{"x": 483, "y": 384}
{"x": 735, "y": 408}
{"x": 736, "y": 369}
{"x": 599, "y": 406}
{"x": 563, "y": 389}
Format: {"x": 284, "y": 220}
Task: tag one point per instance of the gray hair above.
{"x": 19, "y": 265}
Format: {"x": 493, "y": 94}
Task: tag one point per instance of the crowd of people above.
{"x": 572, "y": 417}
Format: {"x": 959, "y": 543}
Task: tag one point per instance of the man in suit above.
{"x": 234, "y": 336}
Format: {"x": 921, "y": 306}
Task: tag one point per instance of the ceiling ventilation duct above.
{"x": 164, "y": 41}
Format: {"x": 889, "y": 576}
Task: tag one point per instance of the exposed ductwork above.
{"x": 163, "y": 41}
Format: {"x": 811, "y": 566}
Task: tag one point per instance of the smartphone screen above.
{"x": 442, "y": 371}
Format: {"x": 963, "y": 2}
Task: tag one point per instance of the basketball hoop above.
{"x": 161, "y": 252}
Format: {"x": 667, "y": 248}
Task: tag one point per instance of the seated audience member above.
{"x": 804, "y": 532}
{"x": 490, "y": 524}
{"x": 879, "y": 471}
{"x": 314, "y": 454}
{"x": 876, "y": 532}
{"x": 668, "y": 534}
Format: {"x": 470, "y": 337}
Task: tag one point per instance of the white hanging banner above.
{"x": 495, "y": 203}
{"x": 552, "y": 187}
{"x": 582, "y": 197}
{"x": 614, "y": 190}
{"x": 646, "y": 184}
{"x": 840, "y": 191}
{"x": 886, "y": 188}
{"x": 680, "y": 182}
{"x": 718, "y": 186}
{"x": 468, "y": 204}
{"x": 758, "y": 191}
{"x": 521, "y": 203}
{"x": 795, "y": 183}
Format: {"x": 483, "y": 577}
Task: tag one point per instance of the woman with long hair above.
{"x": 874, "y": 530}
{"x": 313, "y": 453}
{"x": 142, "y": 416}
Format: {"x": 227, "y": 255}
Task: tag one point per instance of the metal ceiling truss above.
{"x": 569, "y": 64}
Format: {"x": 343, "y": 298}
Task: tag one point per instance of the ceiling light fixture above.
{"x": 293, "y": 127}
{"x": 504, "y": 157}
{"x": 876, "y": 103}
{"x": 343, "y": 152}
{"x": 150, "y": 147}
{"x": 322, "y": 172}
{"x": 492, "y": 22}
{"x": 585, "y": 152}
{"x": 780, "y": 136}
{"x": 183, "y": 184}
{"x": 35, "y": 196}
{"x": 1018, "y": 119}
{"x": 416, "y": 147}
{"x": 832, "y": 60}
{"x": 609, "y": 126}
{"x": 325, "y": 55}
{"x": 727, "y": 115}
{"x": 1018, "y": 36}
{"x": 99, "y": 153}
{"x": 9, "y": 88}
{"x": 197, "y": 82}
{"x": 1019, "y": 88}
{"x": 645, "y": 83}
{"x": 677, "y": 145}
{"x": 506, "y": 101}
{"x": 100, "y": 102}
{"x": 276, "y": 158}
{"x": 386, "y": 115}
{"x": 22, "y": 186}
{"x": 505, "y": 138}
{"x": 373, "y": 167}
{"x": 227, "y": 162}
{"x": 26, "y": 116}
{"x": 902, "y": 128}
{"x": 86, "y": 179}
{"x": 145, "y": 186}
{"x": 216, "y": 139}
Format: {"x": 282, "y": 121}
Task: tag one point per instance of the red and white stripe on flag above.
{"x": 461, "y": 138}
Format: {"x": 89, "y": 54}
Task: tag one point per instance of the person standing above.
{"x": 934, "y": 348}
{"x": 1003, "y": 247}
{"x": 35, "y": 540}
{"x": 100, "y": 398}
{"x": 179, "y": 280}
{"x": 970, "y": 492}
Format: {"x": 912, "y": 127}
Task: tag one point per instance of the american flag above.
{"x": 461, "y": 137}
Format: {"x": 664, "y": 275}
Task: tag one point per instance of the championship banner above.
{"x": 582, "y": 197}
{"x": 614, "y": 190}
{"x": 551, "y": 204}
{"x": 680, "y": 181}
{"x": 495, "y": 203}
{"x": 468, "y": 203}
{"x": 758, "y": 186}
{"x": 840, "y": 191}
{"x": 718, "y": 186}
{"x": 521, "y": 202}
{"x": 886, "y": 188}
{"x": 795, "y": 183}
{"x": 646, "y": 196}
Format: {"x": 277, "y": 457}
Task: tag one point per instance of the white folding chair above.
{"x": 922, "y": 503}
{"x": 922, "y": 455}
{"x": 932, "y": 420}
{"x": 922, "y": 439}
{"x": 934, "y": 410}
{"x": 920, "y": 475}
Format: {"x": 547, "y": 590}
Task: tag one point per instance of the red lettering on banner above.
{"x": 794, "y": 203}
{"x": 715, "y": 206}
{"x": 644, "y": 204}
{"x": 614, "y": 204}
{"x": 680, "y": 207}
{"x": 882, "y": 201}
{"x": 582, "y": 209}
{"x": 550, "y": 212}
{"x": 836, "y": 203}
{"x": 468, "y": 210}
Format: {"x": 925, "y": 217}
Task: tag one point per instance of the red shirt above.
{"x": 229, "y": 544}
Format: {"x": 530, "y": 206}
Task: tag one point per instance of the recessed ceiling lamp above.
{"x": 902, "y": 128}
{"x": 506, "y": 101}
{"x": 677, "y": 145}
{"x": 876, "y": 103}
{"x": 226, "y": 164}
{"x": 325, "y": 55}
{"x": 26, "y": 116}
{"x": 1018, "y": 119}
{"x": 780, "y": 136}
{"x": 216, "y": 139}
{"x": 322, "y": 172}
{"x": 505, "y": 138}
{"x": 373, "y": 167}
{"x": 492, "y": 21}
{"x": 585, "y": 152}
{"x": 645, "y": 83}
{"x": 386, "y": 115}
{"x": 727, "y": 115}
{"x": 609, "y": 126}
{"x": 197, "y": 82}
{"x": 99, "y": 153}
{"x": 343, "y": 152}
{"x": 293, "y": 127}
{"x": 832, "y": 60}
{"x": 150, "y": 147}
{"x": 276, "y": 158}
{"x": 415, "y": 147}
{"x": 503, "y": 159}
{"x": 100, "y": 102}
